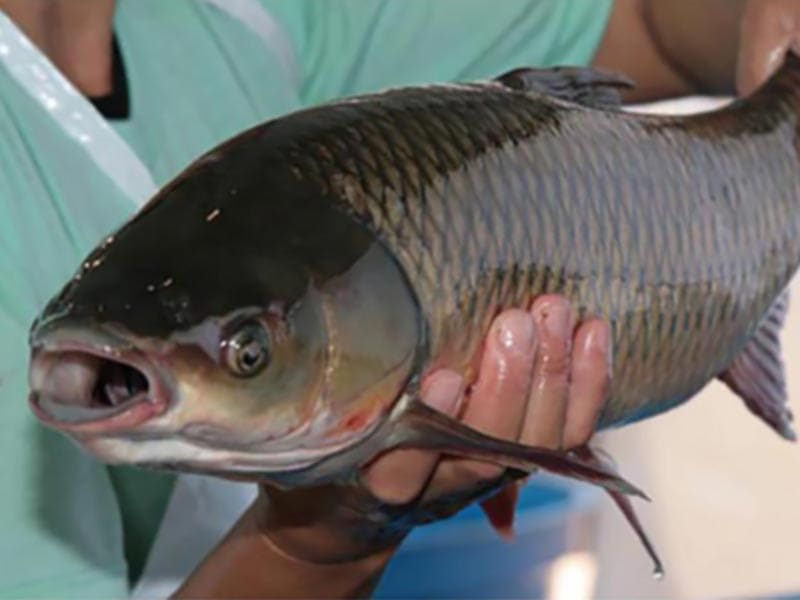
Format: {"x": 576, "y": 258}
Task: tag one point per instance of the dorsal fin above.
{"x": 757, "y": 375}
{"x": 591, "y": 87}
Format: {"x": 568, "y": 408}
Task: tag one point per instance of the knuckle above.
{"x": 396, "y": 494}
{"x": 555, "y": 362}
{"x": 471, "y": 472}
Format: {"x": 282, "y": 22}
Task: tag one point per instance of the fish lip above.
{"x": 151, "y": 404}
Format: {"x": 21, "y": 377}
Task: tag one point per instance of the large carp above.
{"x": 270, "y": 313}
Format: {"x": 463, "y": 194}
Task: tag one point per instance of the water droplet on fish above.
{"x": 151, "y": 288}
{"x": 167, "y": 282}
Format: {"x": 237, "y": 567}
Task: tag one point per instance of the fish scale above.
{"x": 648, "y": 195}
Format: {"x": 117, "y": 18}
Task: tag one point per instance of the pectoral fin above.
{"x": 594, "y": 457}
{"x": 424, "y": 427}
{"x": 757, "y": 374}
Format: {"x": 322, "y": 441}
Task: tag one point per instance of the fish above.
{"x": 271, "y": 312}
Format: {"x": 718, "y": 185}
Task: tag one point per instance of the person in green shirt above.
{"x": 101, "y": 101}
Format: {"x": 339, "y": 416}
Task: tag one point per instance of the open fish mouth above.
{"x": 86, "y": 389}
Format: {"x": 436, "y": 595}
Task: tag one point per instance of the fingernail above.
{"x": 444, "y": 392}
{"x": 598, "y": 339}
{"x": 557, "y": 319}
{"x": 516, "y": 331}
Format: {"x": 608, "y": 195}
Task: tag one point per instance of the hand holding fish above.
{"x": 541, "y": 382}
{"x": 533, "y": 387}
{"x": 537, "y": 384}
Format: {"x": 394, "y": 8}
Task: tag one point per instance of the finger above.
{"x": 498, "y": 400}
{"x": 590, "y": 380}
{"x": 547, "y": 407}
{"x": 499, "y": 397}
{"x": 399, "y": 476}
{"x": 768, "y": 30}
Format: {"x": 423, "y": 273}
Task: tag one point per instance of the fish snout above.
{"x": 93, "y": 390}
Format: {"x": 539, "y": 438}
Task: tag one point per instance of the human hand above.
{"x": 768, "y": 29}
{"x": 541, "y": 382}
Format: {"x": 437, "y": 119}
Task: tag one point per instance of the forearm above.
{"x": 699, "y": 38}
{"x": 673, "y": 47}
{"x": 247, "y": 565}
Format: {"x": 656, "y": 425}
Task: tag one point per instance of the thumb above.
{"x": 443, "y": 390}
{"x": 399, "y": 476}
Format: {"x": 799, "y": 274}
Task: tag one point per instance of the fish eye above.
{"x": 246, "y": 352}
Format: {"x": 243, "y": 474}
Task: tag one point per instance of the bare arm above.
{"x": 247, "y": 565}
{"x": 677, "y": 47}
{"x": 699, "y": 39}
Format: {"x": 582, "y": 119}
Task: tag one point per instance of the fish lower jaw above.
{"x": 77, "y": 420}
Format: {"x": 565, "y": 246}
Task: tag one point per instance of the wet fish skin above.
{"x": 682, "y": 232}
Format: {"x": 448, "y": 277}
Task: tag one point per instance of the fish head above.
{"x": 241, "y": 324}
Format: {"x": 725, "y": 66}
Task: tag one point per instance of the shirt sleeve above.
{"x": 354, "y": 46}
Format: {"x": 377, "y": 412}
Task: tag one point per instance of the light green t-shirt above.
{"x": 196, "y": 76}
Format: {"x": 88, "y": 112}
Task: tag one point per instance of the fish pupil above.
{"x": 248, "y": 350}
{"x": 251, "y": 355}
